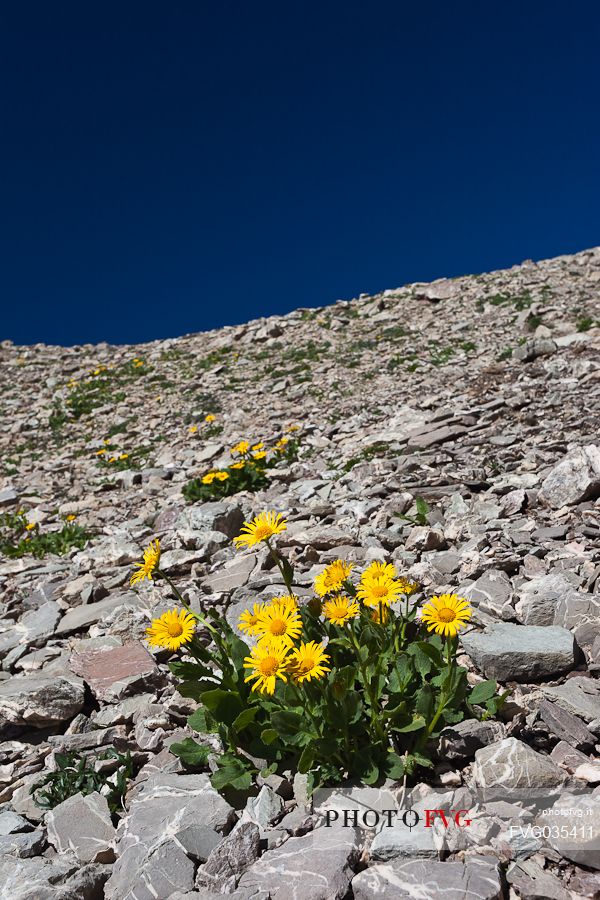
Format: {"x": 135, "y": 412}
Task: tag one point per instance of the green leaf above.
{"x": 190, "y": 752}
{"x": 245, "y": 717}
{"x": 287, "y": 722}
{"x": 200, "y": 721}
{"x": 232, "y": 772}
{"x": 432, "y": 652}
{"x": 306, "y": 759}
{"x": 224, "y": 705}
{"x": 269, "y": 735}
{"x": 417, "y": 723}
{"x": 483, "y": 691}
{"x": 422, "y": 509}
{"x": 395, "y": 766}
{"x": 288, "y": 571}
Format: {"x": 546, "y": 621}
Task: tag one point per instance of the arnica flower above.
{"x": 101, "y": 452}
{"x": 249, "y": 621}
{"x": 209, "y": 418}
{"x": 287, "y": 601}
{"x": 279, "y": 624}
{"x": 124, "y": 456}
{"x": 238, "y": 465}
{"x": 378, "y": 589}
{"x": 282, "y": 443}
{"x": 258, "y": 446}
{"x": 221, "y": 476}
{"x": 241, "y": 447}
{"x": 332, "y": 578}
{"x": 446, "y": 614}
{"x": 30, "y": 526}
{"x": 259, "y": 454}
{"x": 308, "y": 661}
{"x": 261, "y": 528}
{"x": 379, "y": 568}
{"x": 209, "y": 478}
{"x": 269, "y": 662}
{"x": 150, "y": 563}
{"x": 193, "y": 429}
{"x": 340, "y": 610}
{"x": 113, "y": 459}
{"x": 70, "y": 518}
{"x": 172, "y": 629}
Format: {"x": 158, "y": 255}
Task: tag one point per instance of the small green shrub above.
{"x": 18, "y": 537}
{"x": 75, "y": 775}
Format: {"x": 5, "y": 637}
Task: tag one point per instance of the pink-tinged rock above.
{"x": 117, "y": 671}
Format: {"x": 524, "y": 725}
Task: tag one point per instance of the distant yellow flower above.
{"x": 193, "y": 429}
{"x": 261, "y": 528}
{"x": 293, "y": 428}
{"x": 124, "y": 456}
{"x": 101, "y": 452}
{"x": 332, "y": 578}
{"x": 258, "y": 446}
{"x": 269, "y": 663}
{"x": 378, "y": 589}
{"x": 113, "y": 459}
{"x": 209, "y": 478}
{"x": 446, "y": 614}
{"x": 70, "y": 517}
{"x": 138, "y": 363}
{"x": 308, "y": 661}
{"x": 106, "y": 441}
{"x": 379, "y": 568}
{"x": 249, "y": 620}
{"x": 259, "y": 454}
{"x": 150, "y": 563}
{"x": 221, "y": 476}
{"x": 238, "y": 465}
{"x": 241, "y": 447}
{"x": 282, "y": 443}
{"x": 172, "y": 629}
{"x": 30, "y": 526}
{"x": 340, "y": 610}
{"x": 209, "y": 418}
{"x": 278, "y": 624}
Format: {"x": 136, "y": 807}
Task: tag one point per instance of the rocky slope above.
{"x": 480, "y": 395}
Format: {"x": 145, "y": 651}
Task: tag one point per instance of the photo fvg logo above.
{"x": 410, "y": 818}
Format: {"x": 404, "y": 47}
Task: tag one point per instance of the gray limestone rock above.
{"x": 521, "y": 652}
{"x": 33, "y": 624}
{"x": 82, "y": 824}
{"x": 227, "y": 518}
{"x": 39, "y": 700}
{"x": 478, "y": 878}
{"x": 264, "y": 808}
{"x": 573, "y": 479}
{"x": 579, "y": 841}
{"x": 460, "y": 741}
{"x": 539, "y": 599}
{"x": 493, "y": 593}
{"x": 398, "y": 841}
{"x": 580, "y": 696}
{"x": 232, "y": 856}
{"x": 511, "y": 770}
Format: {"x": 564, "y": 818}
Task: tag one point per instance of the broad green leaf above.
{"x": 417, "y": 723}
{"x": 190, "y": 752}
{"x": 483, "y": 691}
{"x": 269, "y": 735}
{"x": 306, "y": 759}
{"x": 224, "y": 705}
{"x": 245, "y": 717}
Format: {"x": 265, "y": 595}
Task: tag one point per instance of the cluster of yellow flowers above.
{"x": 108, "y": 454}
{"x": 209, "y": 419}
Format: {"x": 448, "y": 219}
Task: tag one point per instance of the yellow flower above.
{"x": 293, "y": 428}
{"x": 209, "y": 418}
{"x": 221, "y": 476}
{"x": 261, "y": 528}
{"x": 30, "y": 526}
{"x": 249, "y": 620}
{"x": 150, "y": 563}
{"x": 241, "y": 447}
{"x": 308, "y": 661}
{"x": 332, "y": 578}
{"x": 113, "y": 459}
{"x": 209, "y": 478}
{"x": 106, "y": 441}
{"x": 238, "y": 465}
{"x": 193, "y": 429}
{"x": 172, "y": 629}
{"x": 124, "y": 456}
{"x": 258, "y": 446}
{"x": 279, "y": 624}
{"x": 379, "y": 568}
{"x": 282, "y": 443}
{"x": 288, "y": 601}
{"x": 269, "y": 663}
{"x": 138, "y": 363}
{"x": 381, "y": 616}
{"x": 340, "y": 610}
{"x": 101, "y": 452}
{"x": 259, "y": 454}
{"x": 378, "y": 589}
{"x": 446, "y": 614}
{"x": 71, "y": 517}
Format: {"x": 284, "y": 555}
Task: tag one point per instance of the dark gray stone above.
{"x": 521, "y": 652}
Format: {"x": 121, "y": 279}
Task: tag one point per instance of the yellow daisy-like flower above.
{"x": 308, "y": 661}
{"x": 446, "y": 614}
{"x": 30, "y": 526}
{"x": 221, "y": 476}
{"x": 249, "y": 621}
{"x": 209, "y": 478}
{"x": 261, "y": 528}
{"x": 288, "y": 601}
{"x": 172, "y": 629}
{"x": 150, "y": 563}
{"x": 238, "y": 465}
{"x": 269, "y": 662}
{"x": 332, "y": 578}
{"x": 379, "y": 568}
{"x": 101, "y": 452}
{"x": 113, "y": 459}
{"x": 193, "y": 429}
{"x": 380, "y": 615}
{"x": 259, "y": 454}
{"x": 258, "y": 446}
{"x": 279, "y": 624}
{"x": 124, "y": 456}
{"x": 241, "y": 447}
{"x": 209, "y": 418}
{"x": 282, "y": 443}
{"x": 71, "y": 517}
{"x": 340, "y": 610}
{"x": 378, "y": 589}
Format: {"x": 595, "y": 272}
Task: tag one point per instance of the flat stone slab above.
{"x": 511, "y": 770}
{"x": 579, "y": 838}
{"x": 81, "y": 617}
{"x": 110, "y": 672}
{"x": 521, "y": 652}
{"x": 476, "y": 879}
{"x": 579, "y": 695}
{"x": 82, "y": 824}
{"x": 574, "y": 479}
{"x": 39, "y": 700}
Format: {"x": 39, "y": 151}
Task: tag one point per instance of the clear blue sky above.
{"x": 172, "y": 167}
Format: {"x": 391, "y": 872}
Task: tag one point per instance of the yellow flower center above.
{"x": 307, "y": 664}
{"x": 262, "y": 531}
{"x": 445, "y": 614}
{"x": 379, "y": 590}
{"x": 269, "y": 665}
{"x": 278, "y": 627}
{"x": 175, "y": 629}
